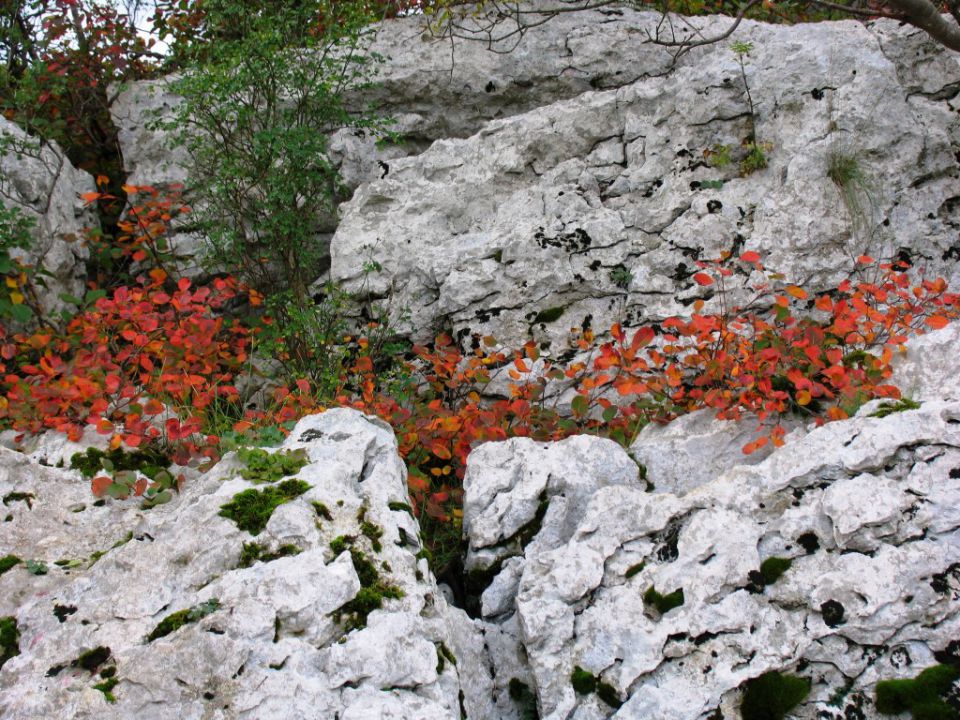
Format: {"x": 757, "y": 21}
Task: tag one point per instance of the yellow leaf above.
{"x": 16, "y": 298}
{"x": 11, "y": 283}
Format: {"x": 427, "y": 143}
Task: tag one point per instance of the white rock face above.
{"x": 272, "y": 645}
{"x": 593, "y": 208}
{"x": 43, "y": 185}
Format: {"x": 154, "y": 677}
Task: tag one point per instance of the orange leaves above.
{"x": 936, "y": 321}
{"x": 702, "y": 279}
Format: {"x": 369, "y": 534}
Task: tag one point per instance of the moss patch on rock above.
{"x": 9, "y": 639}
{"x": 254, "y": 552}
{"x": 772, "y": 695}
{"x": 663, "y": 603}
{"x": 172, "y": 623}
{"x": 251, "y": 509}
{"x": 7, "y": 562}
{"x": 585, "y": 682}
{"x": 924, "y": 696}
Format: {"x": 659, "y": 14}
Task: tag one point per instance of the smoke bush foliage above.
{"x": 260, "y": 102}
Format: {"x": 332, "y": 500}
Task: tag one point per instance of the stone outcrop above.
{"x": 40, "y": 183}
{"x": 259, "y": 639}
{"x": 594, "y": 208}
{"x": 672, "y": 604}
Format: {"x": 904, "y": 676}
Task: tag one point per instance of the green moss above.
{"x": 265, "y": 467}
{"x": 9, "y": 639}
{"x": 772, "y": 695}
{"x": 172, "y": 623}
{"x": 608, "y": 693}
{"x": 634, "y": 569}
{"x": 754, "y": 160}
{"x": 443, "y": 657}
{"x": 549, "y": 315}
{"x": 923, "y": 696}
{"x": 36, "y": 567}
{"x": 253, "y": 553}
{"x": 374, "y": 532}
{"x": 400, "y": 506}
{"x": 526, "y": 701}
{"x": 583, "y": 681}
{"x": 106, "y": 687}
{"x": 663, "y": 603}
{"x": 340, "y": 543}
{"x": 373, "y": 591}
{"x": 91, "y": 660}
{"x": 889, "y": 408}
{"x": 772, "y": 568}
{"x": 251, "y": 509}
{"x": 322, "y": 510}
{"x": 149, "y": 461}
{"x": 7, "y": 562}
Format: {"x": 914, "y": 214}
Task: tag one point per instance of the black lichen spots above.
{"x": 172, "y": 623}
{"x": 770, "y": 571}
{"x": 7, "y": 562}
{"x": 13, "y": 497}
{"x": 955, "y": 473}
{"x": 924, "y": 697}
{"x": 682, "y": 272}
{"x": 489, "y": 87}
{"x": 572, "y": 242}
{"x": 816, "y": 94}
{"x": 525, "y": 699}
{"x": 548, "y": 315}
{"x": 91, "y": 660}
{"x": 9, "y": 639}
{"x": 950, "y": 655}
{"x": 941, "y": 581}
{"x": 772, "y": 695}
{"x": 714, "y": 206}
{"x": 62, "y": 612}
{"x": 311, "y": 435}
{"x": 832, "y": 612}
{"x": 251, "y": 509}
{"x": 667, "y": 550}
{"x": 809, "y": 542}
{"x": 663, "y": 603}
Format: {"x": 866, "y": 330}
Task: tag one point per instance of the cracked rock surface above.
{"x": 593, "y": 208}
{"x": 271, "y": 645}
{"x": 41, "y": 183}
{"x": 865, "y": 511}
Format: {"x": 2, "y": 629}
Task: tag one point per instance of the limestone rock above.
{"x": 261, "y": 638}
{"x": 593, "y": 209}
{"x": 864, "y": 510}
{"x": 40, "y": 182}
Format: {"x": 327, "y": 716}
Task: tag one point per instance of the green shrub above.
{"x": 265, "y": 467}
{"x": 923, "y": 696}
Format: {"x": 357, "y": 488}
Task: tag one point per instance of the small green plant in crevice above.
{"x": 844, "y": 169}
{"x": 621, "y": 276}
{"x": 253, "y": 553}
{"x": 634, "y": 570}
{"x": 890, "y": 407}
{"x": 373, "y": 533}
{"x": 7, "y": 562}
{"x": 663, "y": 603}
{"x": 924, "y": 696}
{"x": 772, "y": 695}
{"x": 549, "y": 315}
{"x": 373, "y": 589}
{"x": 251, "y": 509}
{"x": 265, "y": 467}
{"x": 36, "y": 567}
{"x": 755, "y": 158}
{"x": 321, "y": 510}
{"x": 400, "y": 507}
{"x": 12, "y": 497}
{"x": 173, "y": 622}
{"x": 525, "y": 699}
{"x": 9, "y": 639}
{"x": 584, "y": 682}
{"x": 719, "y": 156}
{"x": 149, "y": 461}
{"x": 106, "y": 687}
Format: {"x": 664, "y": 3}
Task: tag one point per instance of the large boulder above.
{"x": 593, "y": 209}
{"x": 835, "y": 559}
{"x": 173, "y": 605}
{"x": 38, "y": 181}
